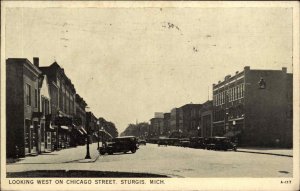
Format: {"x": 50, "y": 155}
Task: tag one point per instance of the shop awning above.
{"x": 83, "y": 130}
{"x": 232, "y": 133}
{"x": 80, "y": 132}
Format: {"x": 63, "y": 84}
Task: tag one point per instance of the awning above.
{"x": 80, "y": 132}
{"x": 64, "y": 127}
{"x": 231, "y": 133}
{"x": 83, "y": 130}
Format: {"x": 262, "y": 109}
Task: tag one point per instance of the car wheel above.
{"x": 110, "y": 153}
{"x": 133, "y": 150}
{"x": 125, "y": 152}
{"x": 102, "y": 153}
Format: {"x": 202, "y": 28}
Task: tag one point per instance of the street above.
{"x": 170, "y": 161}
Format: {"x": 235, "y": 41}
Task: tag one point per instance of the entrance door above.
{"x": 27, "y": 136}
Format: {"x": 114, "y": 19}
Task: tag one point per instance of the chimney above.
{"x": 247, "y": 68}
{"x": 36, "y": 61}
{"x": 227, "y": 77}
{"x": 284, "y": 69}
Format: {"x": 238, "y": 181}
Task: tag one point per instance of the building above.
{"x": 190, "y": 119}
{"x": 206, "y": 112}
{"x": 46, "y": 128}
{"x": 92, "y": 127}
{"x": 156, "y": 127}
{"x": 62, "y": 94}
{"x": 174, "y": 120}
{"x": 167, "y": 124}
{"x": 78, "y": 136}
{"x": 255, "y": 107}
{"x": 22, "y": 108}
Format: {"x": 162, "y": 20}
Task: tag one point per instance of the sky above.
{"x": 128, "y": 63}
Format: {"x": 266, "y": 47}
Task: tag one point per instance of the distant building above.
{"x": 255, "y": 107}
{"x": 174, "y": 120}
{"x": 167, "y": 124}
{"x": 206, "y": 127}
{"x": 156, "y": 127}
{"x": 22, "y": 108}
{"x": 190, "y": 119}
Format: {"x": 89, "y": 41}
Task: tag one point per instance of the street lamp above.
{"x": 98, "y": 123}
{"x": 102, "y": 129}
{"x": 198, "y": 130}
{"x": 88, "y": 120}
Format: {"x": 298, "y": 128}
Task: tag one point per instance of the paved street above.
{"x": 171, "y": 161}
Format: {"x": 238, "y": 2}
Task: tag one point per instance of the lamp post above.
{"x": 102, "y": 132}
{"x": 98, "y": 123}
{"x": 198, "y": 130}
{"x": 88, "y": 119}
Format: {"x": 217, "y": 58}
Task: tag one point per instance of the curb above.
{"x": 88, "y": 160}
{"x": 283, "y": 155}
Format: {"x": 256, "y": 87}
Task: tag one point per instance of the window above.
{"x": 28, "y": 94}
{"x": 35, "y": 98}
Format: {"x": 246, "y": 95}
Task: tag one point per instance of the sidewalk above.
{"x": 268, "y": 151}
{"x": 76, "y": 154}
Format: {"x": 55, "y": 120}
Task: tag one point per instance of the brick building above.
{"x": 255, "y": 106}
{"x": 62, "y": 93}
{"x": 22, "y": 108}
{"x": 190, "y": 119}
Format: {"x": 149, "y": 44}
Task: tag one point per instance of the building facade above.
{"x": 167, "y": 124}
{"x": 45, "y": 121}
{"x": 255, "y": 107}
{"x": 22, "y": 108}
{"x": 62, "y": 93}
{"x": 174, "y": 120}
{"x": 156, "y": 127}
{"x": 190, "y": 119}
{"x": 206, "y": 112}
{"x": 79, "y": 132}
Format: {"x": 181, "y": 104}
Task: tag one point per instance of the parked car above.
{"x": 162, "y": 141}
{"x": 220, "y": 143}
{"x": 197, "y": 142}
{"x": 184, "y": 142}
{"x": 120, "y": 144}
{"x": 142, "y": 142}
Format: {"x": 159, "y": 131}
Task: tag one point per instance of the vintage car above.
{"x": 197, "y": 142}
{"x": 120, "y": 144}
{"x": 184, "y": 142}
{"x": 142, "y": 142}
{"x": 220, "y": 143}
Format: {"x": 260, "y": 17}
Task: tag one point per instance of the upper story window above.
{"x": 28, "y": 94}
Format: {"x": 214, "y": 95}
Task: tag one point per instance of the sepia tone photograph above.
{"x": 148, "y": 94}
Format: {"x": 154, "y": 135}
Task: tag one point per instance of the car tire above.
{"x": 133, "y": 150}
{"x": 110, "y": 153}
{"x": 102, "y": 153}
